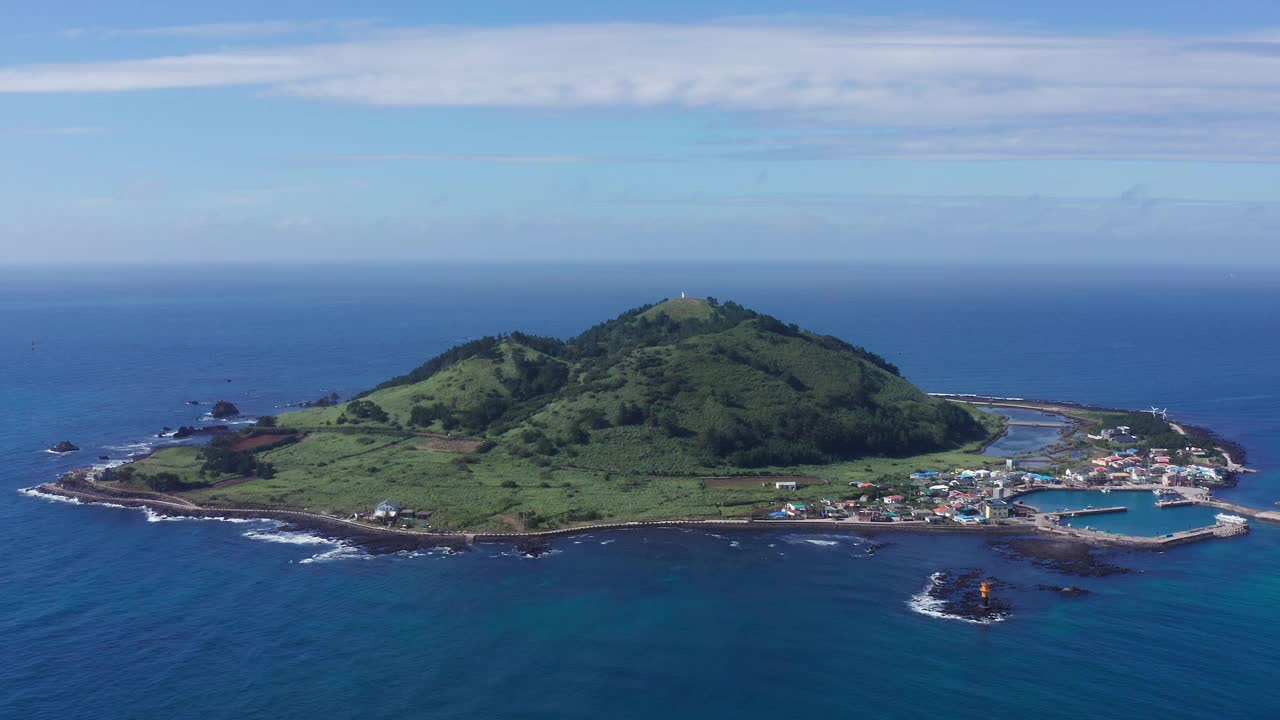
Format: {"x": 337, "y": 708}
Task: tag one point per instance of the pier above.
{"x": 1089, "y": 511}
{"x": 1174, "y": 503}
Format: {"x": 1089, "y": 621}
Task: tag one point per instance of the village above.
{"x": 984, "y": 496}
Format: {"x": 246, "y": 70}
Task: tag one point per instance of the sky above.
{"x": 911, "y": 131}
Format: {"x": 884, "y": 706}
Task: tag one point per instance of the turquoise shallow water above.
{"x": 1141, "y": 516}
{"x": 105, "y": 614}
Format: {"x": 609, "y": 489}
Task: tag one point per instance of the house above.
{"x": 386, "y": 509}
{"x": 995, "y": 510}
{"x": 795, "y": 508}
{"x": 893, "y": 499}
{"x": 785, "y": 485}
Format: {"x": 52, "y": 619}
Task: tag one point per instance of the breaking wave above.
{"x": 926, "y": 602}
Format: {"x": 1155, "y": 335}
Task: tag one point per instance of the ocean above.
{"x": 114, "y": 613}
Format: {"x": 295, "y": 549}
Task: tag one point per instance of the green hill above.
{"x": 674, "y": 410}
{"x": 682, "y": 386}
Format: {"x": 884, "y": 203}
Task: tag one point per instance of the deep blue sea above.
{"x": 105, "y": 613}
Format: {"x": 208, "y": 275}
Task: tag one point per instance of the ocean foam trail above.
{"x": 32, "y": 492}
{"x": 131, "y": 447}
{"x": 339, "y": 550}
{"x": 822, "y": 540}
{"x": 342, "y": 552}
{"x": 288, "y": 538}
{"x": 35, "y": 493}
{"x": 153, "y": 516}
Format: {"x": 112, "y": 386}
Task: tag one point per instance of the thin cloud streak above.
{"x": 936, "y": 90}
{"x": 68, "y": 131}
{"x": 930, "y": 75}
{"x": 226, "y": 30}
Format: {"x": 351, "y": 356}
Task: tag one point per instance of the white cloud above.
{"x": 64, "y": 131}
{"x": 920, "y": 75}
{"x": 950, "y": 90}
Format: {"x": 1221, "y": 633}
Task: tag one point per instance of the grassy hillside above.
{"x": 620, "y": 421}
{"x": 682, "y": 386}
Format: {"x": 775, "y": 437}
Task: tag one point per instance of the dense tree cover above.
{"x": 1155, "y": 432}
{"x": 365, "y": 410}
{"x": 220, "y": 460}
{"x": 160, "y": 482}
{"x": 800, "y": 436}
{"x": 731, "y": 386}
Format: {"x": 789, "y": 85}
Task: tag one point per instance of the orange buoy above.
{"x": 986, "y": 592}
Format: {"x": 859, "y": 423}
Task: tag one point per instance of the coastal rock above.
{"x": 1064, "y": 556}
{"x": 532, "y": 548}
{"x": 193, "y": 402}
{"x": 957, "y": 594}
{"x": 104, "y": 457}
{"x": 66, "y": 446}
{"x": 224, "y": 409}
{"x": 186, "y": 432}
{"x": 1065, "y": 591}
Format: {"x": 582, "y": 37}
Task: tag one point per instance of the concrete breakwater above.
{"x": 1089, "y": 511}
{"x": 1151, "y": 543}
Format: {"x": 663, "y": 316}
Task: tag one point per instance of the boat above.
{"x": 1106, "y": 490}
{"x": 1227, "y": 519}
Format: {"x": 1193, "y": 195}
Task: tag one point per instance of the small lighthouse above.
{"x": 985, "y": 589}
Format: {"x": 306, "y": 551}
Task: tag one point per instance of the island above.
{"x": 687, "y": 411}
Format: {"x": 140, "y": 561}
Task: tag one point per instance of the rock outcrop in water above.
{"x": 186, "y": 432}
{"x": 957, "y": 594}
{"x": 1064, "y": 556}
{"x": 224, "y": 409}
{"x": 66, "y": 446}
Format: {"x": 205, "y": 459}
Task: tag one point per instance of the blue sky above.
{"x": 963, "y": 131}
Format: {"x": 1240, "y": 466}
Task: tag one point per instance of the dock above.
{"x": 1089, "y": 511}
{"x": 1220, "y": 530}
{"x": 1174, "y": 503}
